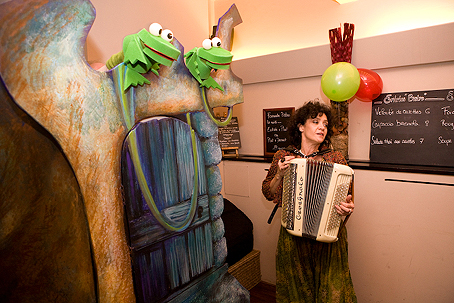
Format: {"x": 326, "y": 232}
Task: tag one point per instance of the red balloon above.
{"x": 370, "y": 85}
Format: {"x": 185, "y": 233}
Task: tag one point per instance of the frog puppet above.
{"x": 143, "y": 52}
{"x": 201, "y": 60}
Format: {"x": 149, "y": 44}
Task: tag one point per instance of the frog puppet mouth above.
{"x": 218, "y": 60}
{"x": 218, "y": 63}
{"x": 160, "y": 54}
{"x": 157, "y": 48}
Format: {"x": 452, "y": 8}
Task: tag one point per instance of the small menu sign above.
{"x": 229, "y": 135}
{"x": 275, "y": 129}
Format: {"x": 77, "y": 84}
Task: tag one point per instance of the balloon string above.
{"x": 339, "y": 120}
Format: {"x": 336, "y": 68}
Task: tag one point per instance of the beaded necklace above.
{"x": 300, "y": 153}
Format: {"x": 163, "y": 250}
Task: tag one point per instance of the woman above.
{"x": 308, "y": 270}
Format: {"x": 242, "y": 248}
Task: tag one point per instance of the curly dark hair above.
{"x": 310, "y": 110}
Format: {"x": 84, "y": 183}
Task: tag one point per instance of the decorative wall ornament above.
{"x": 341, "y": 51}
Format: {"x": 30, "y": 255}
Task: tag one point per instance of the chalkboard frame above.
{"x": 290, "y": 110}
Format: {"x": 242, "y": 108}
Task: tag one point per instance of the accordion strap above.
{"x": 270, "y": 219}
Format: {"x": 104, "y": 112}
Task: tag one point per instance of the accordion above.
{"x": 310, "y": 191}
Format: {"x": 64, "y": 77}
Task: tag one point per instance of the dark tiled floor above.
{"x": 263, "y": 293}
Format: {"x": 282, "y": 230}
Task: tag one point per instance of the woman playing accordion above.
{"x": 308, "y": 270}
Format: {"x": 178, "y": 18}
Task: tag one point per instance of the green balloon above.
{"x": 340, "y": 81}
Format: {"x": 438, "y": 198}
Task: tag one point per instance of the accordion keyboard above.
{"x": 288, "y": 194}
{"x": 334, "y": 218}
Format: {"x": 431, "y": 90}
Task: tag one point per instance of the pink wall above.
{"x": 115, "y": 19}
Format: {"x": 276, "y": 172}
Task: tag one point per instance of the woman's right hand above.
{"x": 282, "y": 166}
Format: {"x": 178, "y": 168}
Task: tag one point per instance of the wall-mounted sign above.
{"x": 413, "y": 128}
{"x": 275, "y": 129}
{"x": 229, "y": 138}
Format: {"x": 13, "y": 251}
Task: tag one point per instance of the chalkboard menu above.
{"x": 413, "y": 128}
{"x": 229, "y": 135}
{"x": 275, "y": 129}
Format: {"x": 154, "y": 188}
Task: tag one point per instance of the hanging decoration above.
{"x": 341, "y": 52}
{"x": 341, "y": 43}
{"x": 340, "y": 81}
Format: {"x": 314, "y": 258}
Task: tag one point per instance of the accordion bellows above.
{"x": 310, "y": 191}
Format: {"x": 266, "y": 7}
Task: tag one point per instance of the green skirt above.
{"x": 311, "y": 271}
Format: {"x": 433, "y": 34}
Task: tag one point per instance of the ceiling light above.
{"x": 343, "y": 1}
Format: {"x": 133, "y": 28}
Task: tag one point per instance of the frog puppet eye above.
{"x": 155, "y": 29}
{"x": 216, "y": 42}
{"x": 167, "y": 35}
{"x": 206, "y": 44}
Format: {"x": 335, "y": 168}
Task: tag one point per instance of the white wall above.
{"x": 242, "y": 184}
{"x": 401, "y": 238}
{"x": 268, "y": 26}
{"x": 419, "y": 59}
{"x": 410, "y": 78}
{"x": 401, "y": 235}
{"x": 399, "y": 263}
{"x": 277, "y": 26}
{"x": 293, "y": 92}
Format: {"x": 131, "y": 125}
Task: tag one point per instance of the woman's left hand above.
{"x": 346, "y": 208}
